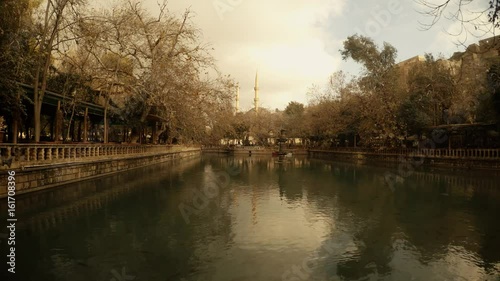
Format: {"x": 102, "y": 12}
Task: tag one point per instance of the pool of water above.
{"x": 253, "y": 218}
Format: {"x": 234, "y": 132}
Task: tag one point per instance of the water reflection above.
{"x": 297, "y": 220}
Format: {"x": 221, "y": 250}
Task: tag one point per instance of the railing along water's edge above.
{"x": 30, "y": 155}
{"x": 464, "y": 153}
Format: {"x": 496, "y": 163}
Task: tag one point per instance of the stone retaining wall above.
{"x": 31, "y": 178}
{"x": 418, "y": 159}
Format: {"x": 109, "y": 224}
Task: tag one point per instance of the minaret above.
{"x": 237, "y": 108}
{"x": 256, "y": 89}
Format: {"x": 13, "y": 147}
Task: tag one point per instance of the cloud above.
{"x": 295, "y": 43}
{"x": 284, "y": 40}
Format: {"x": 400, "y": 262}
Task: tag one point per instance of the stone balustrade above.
{"x": 465, "y": 153}
{"x": 42, "y": 166}
{"x": 22, "y": 154}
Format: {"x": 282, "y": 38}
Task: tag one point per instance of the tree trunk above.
{"x": 106, "y": 119}
{"x": 70, "y": 122}
{"x": 16, "y": 120}
{"x": 52, "y": 126}
{"x": 37, "y": 122}
{"x": 145, "y": 113}
{"x": 58, "y": 122}
{"x": 44, "y": 61}
{"x": 71, "y": 131}
{"x": 86, "y": 125}
{"x": 154, "y": 134}
{"x": 134, "y": 137}
{"x": 15, "y": 130}
{"x": 79, "y": 137}
{"x": 36, "y": 91}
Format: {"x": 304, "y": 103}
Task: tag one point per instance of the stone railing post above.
{"x": 27, "y": 154}
{"x": 8, "y": 151}
{"x": 40, "y": 155}
{"x": 48, "y": 153}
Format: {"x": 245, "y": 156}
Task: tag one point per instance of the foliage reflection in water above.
{"x": 299, "y": 220}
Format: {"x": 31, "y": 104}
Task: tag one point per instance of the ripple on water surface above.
{"x": 302, "y": 220}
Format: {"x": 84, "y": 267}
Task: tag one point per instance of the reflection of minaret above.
{"x": 254, "y": 205}
{"x": 256, "y": 89}
{"x": 235, "y": 198}
{"x": 255, "y": 197}
{"x": 237, "y": 108}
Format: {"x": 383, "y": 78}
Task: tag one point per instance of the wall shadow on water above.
{"x": 77, "y": 231}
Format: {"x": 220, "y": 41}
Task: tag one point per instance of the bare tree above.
{"x": 476, "y": 18}
{"x": 54, "y": 20}
{"x": 168, "y": 60}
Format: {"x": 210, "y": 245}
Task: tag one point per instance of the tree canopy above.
{"x": 132, "y": 62}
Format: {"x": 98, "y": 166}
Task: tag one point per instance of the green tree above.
{"x": 335, "y": 111}
{"x": 16, "y": 58}
{"x": 381, "y": 88}
{"x": 294, "y": 120}
{"x": 294, "y": 109}
{"x": 432, "y": 89}
{"x": 363, "y": 50}
{"x": 240, "y": 126}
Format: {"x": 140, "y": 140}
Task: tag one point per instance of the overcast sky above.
{"x": 295, "y": 43}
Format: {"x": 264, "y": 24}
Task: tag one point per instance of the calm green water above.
{"x": 252, "y": 219}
